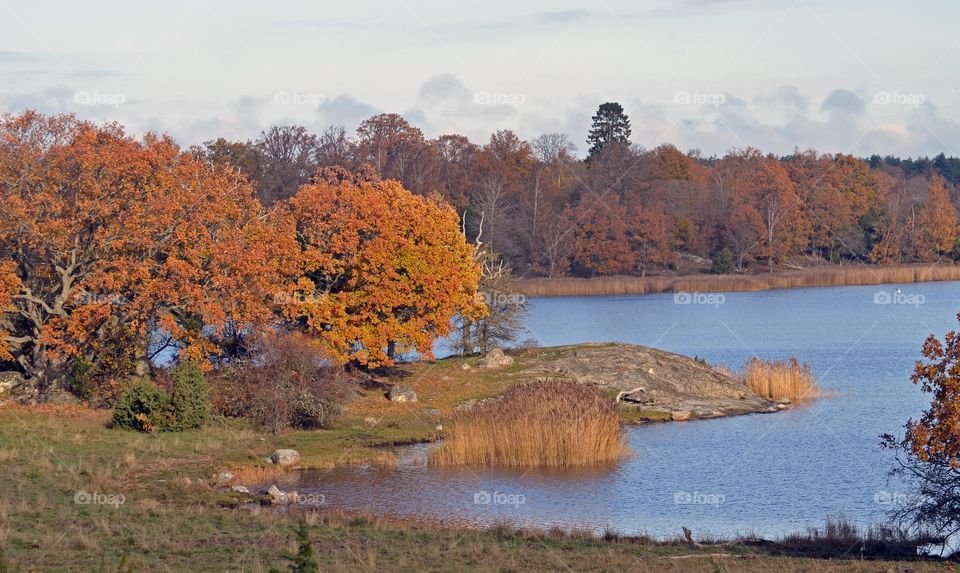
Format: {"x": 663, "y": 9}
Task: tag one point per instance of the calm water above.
{"x": 764, "y": 474}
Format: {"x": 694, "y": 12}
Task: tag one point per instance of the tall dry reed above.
{"x": 832, "y": 276}
{"x": 547, "y": 423}
{"x": 781, "y": 379}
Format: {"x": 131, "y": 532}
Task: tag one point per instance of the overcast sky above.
{"x": 840, "y": 76}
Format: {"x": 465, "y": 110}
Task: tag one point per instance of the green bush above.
{"x": 148, "y": 408}
{"x": 189, "y": 403}
{"x": 723, "y": 262}
{"x": 144, "y": 408}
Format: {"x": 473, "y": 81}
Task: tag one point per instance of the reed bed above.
{"x": 832, "y": 276}
{"x": 547, "y": 423}
{"x": 781, "y": 379}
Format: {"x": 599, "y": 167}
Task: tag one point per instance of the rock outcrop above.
{"x": 654, "y": 380}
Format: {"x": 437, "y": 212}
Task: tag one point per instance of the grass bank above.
{"x": 170, "y": 518}
{"x": 831, "y": 276}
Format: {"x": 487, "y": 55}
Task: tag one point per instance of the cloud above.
{"x": 784, "y": 99}
{"x": 345, "y": 110}
{"x": 561, "y": 16}
{"x": 444, "y": 88}
{"x": 17, "y": 57}
{"x": 843, "y": 106}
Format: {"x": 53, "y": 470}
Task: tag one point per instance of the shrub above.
{"x": 288, "y": 384}
{"x": 144, "y": 407}
{"x": 781, "y": 379}
{"x": 723, "y": 262}
{"x": 543, "y": 423}
{"x": 188, "y": 401}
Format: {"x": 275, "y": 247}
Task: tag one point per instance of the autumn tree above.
{"x": 610, "y": 125}
{"x": 389, "y": 143}
{"x": 601, "y": 243}
{"x": 380, "y": 272}
{"x": 940, "y": 217}
{"x": 288, "y": 160}
{"x": 648, "y": 237}
{"x": 109, "y": 237}
{"x": 929, "y": 453}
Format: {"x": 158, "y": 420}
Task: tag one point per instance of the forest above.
{"x": 627, "y": 210}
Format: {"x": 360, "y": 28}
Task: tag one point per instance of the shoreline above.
{"x": 804, "y": 278}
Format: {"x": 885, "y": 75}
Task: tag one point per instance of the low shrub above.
{"x": 188, "y": 401}
{"x": 145, "y": 408}
{"x": 288, "y": 384}
{"x": 542, "y": 423}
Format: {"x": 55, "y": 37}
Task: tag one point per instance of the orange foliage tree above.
{"x": 601, "y": 246}
{"x": 107, "y": 234}
{"x": 380, "y": 271}
{"x": 940, "y": 217}
{"x": 932, "y": 443}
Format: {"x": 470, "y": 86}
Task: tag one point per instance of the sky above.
{"x": 839, "y": 76}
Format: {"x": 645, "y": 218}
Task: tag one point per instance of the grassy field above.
{"x": 815, "y": 277}
{"x": 156, "y": 510}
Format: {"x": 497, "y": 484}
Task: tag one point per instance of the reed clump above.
{"x": 546, "y": 423}
{"x": 829, "y": 276}
{"x": 781, "y": 379}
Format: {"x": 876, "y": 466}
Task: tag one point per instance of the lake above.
{"x": 761, "y": 474}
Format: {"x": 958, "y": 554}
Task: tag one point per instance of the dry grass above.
{"x": 781, "y": 379}
{"x": 548, "y": 423}
{"x": 832, "y": 276}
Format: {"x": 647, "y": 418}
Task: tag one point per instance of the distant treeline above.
{"x": 630, "y": 210}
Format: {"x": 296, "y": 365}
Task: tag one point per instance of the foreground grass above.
{"x": 170, "y": 519}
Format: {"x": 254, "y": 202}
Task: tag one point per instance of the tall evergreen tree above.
{"x": 610, "y": 125}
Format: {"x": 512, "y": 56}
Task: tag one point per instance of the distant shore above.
{"x": 802, "y": 278}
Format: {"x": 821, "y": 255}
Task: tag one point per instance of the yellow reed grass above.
{"x": 781, "y": 379}
{"x": 547, "y": 423}
{"x": 832, "y": 276}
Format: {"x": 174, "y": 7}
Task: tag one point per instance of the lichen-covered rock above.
{"x": 285, "y": 457}
{"x": 670, "y": 382}
{"x": 495, "y": 359}
{"x": 402, "y": 394}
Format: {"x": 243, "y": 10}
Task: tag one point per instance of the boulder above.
{"x": 278, "y": 497}
{"x": 681, "y": 415}
{"x": 9, "y": 380}
{"x": 466, "y": 366}
{"x": 495, "y": 359}
{"x": 402, "y": 394}
{"x": 285, "y": 457}
{"x": 224, "y": 477}
{"x": 240, "y": 489}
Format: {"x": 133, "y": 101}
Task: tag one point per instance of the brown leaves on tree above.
{"x": 936, "y": 436}
{"x": 380, "y": 271}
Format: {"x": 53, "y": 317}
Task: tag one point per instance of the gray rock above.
{"x": 223, "y": 477}
{"x": 278, "y": 497}
{"x": 402, "y": 394}
{"x": 495, "y": 359}
{"x": 10, "y": 380}
{"x": 285, "y": 457}
{"x": 240, "y": 489}
{"x": 681, "y": 415}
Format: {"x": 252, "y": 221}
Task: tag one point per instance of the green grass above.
{"x": 172, "y": 519}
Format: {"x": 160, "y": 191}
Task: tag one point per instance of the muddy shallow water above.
{"x": 763, "y": 474}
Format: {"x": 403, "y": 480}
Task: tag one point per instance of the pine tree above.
{"x": 305, "y": 561}
{"x": 610, "y": 125}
